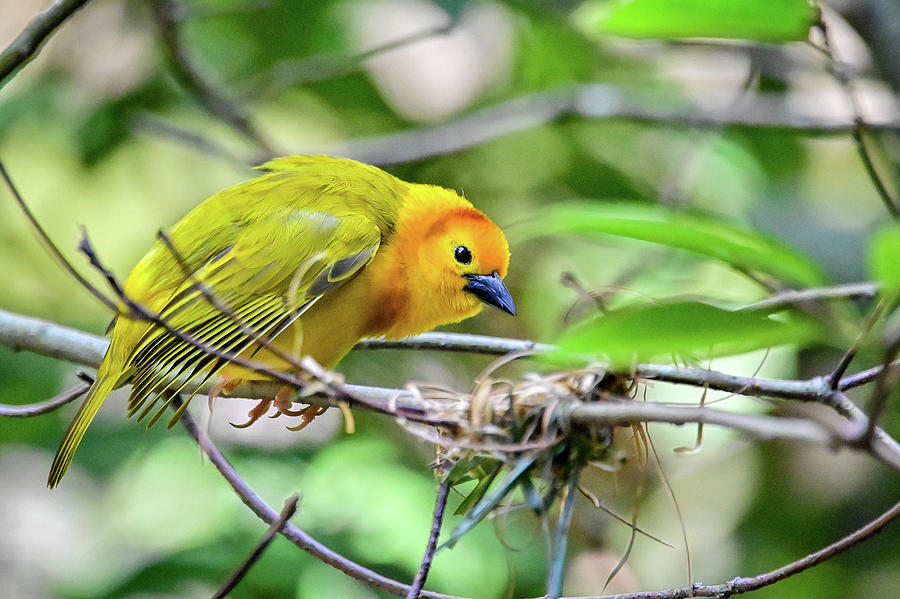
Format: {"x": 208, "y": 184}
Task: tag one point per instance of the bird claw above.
{"x": 284, "y": 405}
{"x": 256, "y": 413}
{"x": 284, "y": 402}
{"x": 307, "y": 415}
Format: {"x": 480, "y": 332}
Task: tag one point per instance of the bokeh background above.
{"x": 97, "y": 131}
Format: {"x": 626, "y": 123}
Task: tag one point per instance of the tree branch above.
{"x": 842, "y": 76}
{"x": 297, "y": 536}
{"x": 287, "y": 512}
{"x": 440, "y": 504}
{"x": 592, "y": 101}
{"x": 44, "y": 407}
{"x": 45, "y": 338}
{"x": 28, "y": 44}
{"x": 742, "y": 585}
{"x": 214, "y": 100}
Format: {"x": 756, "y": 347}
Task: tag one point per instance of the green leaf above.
{"x": 884, "y": 259}
{"x": 643, "y": 333}
{"x": 477, "y": 513}
{"x": 484, "y": 482}
{"x": 772, "y": 21}
{"x": 695, "y": 233}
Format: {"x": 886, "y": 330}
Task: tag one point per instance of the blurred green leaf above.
{"x": 884, "y": 259}
{"x": 773, "y": 21}
{"x": 649, "y": 331}
{"x": 110, "y": 124}
{"x": 699, "y": 234}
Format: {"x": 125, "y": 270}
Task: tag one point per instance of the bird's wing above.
{"x": 261, "y": 280}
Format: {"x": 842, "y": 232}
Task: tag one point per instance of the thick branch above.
{"x": 28, "y": 43}
{"x": 45, "y": 338}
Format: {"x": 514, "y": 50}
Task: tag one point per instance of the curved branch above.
{"x": 297, "y": 536}
{"x": 44, "y": 407}
{"x": 215, "y": 101}
{"x": 742, "y": 585}
{"x": 28, "y": 43}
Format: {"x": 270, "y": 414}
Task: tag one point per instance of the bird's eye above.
{"x": 462, "y": 254}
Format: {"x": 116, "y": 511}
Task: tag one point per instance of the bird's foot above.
{"x": 307, "y": 415}
{"x": 256, "y": 413}
{"x": 284, "y": 403}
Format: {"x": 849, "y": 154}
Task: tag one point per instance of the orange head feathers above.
{"x": 454, "y": 260}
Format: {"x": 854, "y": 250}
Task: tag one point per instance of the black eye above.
{"x": 462, "y": 254}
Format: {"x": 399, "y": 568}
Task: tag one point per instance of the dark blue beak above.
{"x": 491, "y": 290}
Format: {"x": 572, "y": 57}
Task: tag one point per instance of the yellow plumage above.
{"x": 317, "y": 252}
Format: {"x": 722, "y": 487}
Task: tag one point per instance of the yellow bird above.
{"x": 316, "y": 253}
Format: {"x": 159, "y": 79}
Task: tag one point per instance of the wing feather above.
{"x": 266, "y": 275}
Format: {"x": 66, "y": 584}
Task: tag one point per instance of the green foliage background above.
{"x": 141, "y": 514}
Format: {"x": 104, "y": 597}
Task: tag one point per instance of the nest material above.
{"x": 506, "y": 419}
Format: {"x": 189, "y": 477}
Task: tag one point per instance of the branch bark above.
{"x": 297, "y": 536}
{"x": 28, "y": 44}
{"x": 46, "y": 338}
{"x": 742, "y": 585}
{"x": 216, "y": 102}
{"x": 592, "y": 101}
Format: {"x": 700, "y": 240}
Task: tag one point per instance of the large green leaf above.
{"x": 771, "y": 21}
{"x": 700, "y": 234}
{"x": 683, "y": 328}
{"x": 884, "y": 259}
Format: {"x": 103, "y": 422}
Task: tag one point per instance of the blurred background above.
{"x": 518, "y": 105}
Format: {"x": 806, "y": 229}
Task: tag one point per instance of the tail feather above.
{"x": 98, "y": 393}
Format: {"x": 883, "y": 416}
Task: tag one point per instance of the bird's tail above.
{"x": 97, "y": 394}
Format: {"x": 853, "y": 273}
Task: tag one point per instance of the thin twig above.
{"x": 224, "y": 308}
{"x": 834, "y": 379}
{"x": 28, "y": 43}
{"x": 287, "y": 512}
{"x": 440, "y": 504}
{"x": 792, "y": 297}
{"x": 742, "y": 585}
{"x": 51, "y": 247}
{"x": 152, "y": 125}
{"x": 44, "y": 407}
{"x": 884, "y": 384}
{"x": 561, "y": 539}
{"x": 859, "y": 124}
{"x": 189, "y": 75}
{"x": 297, "y": 536}
{"x": 322, "y": 67}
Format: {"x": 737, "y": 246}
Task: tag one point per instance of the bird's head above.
{"x": 462, "y": 258}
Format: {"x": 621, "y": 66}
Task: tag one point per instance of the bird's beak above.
{"x": 491, "y": 290}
